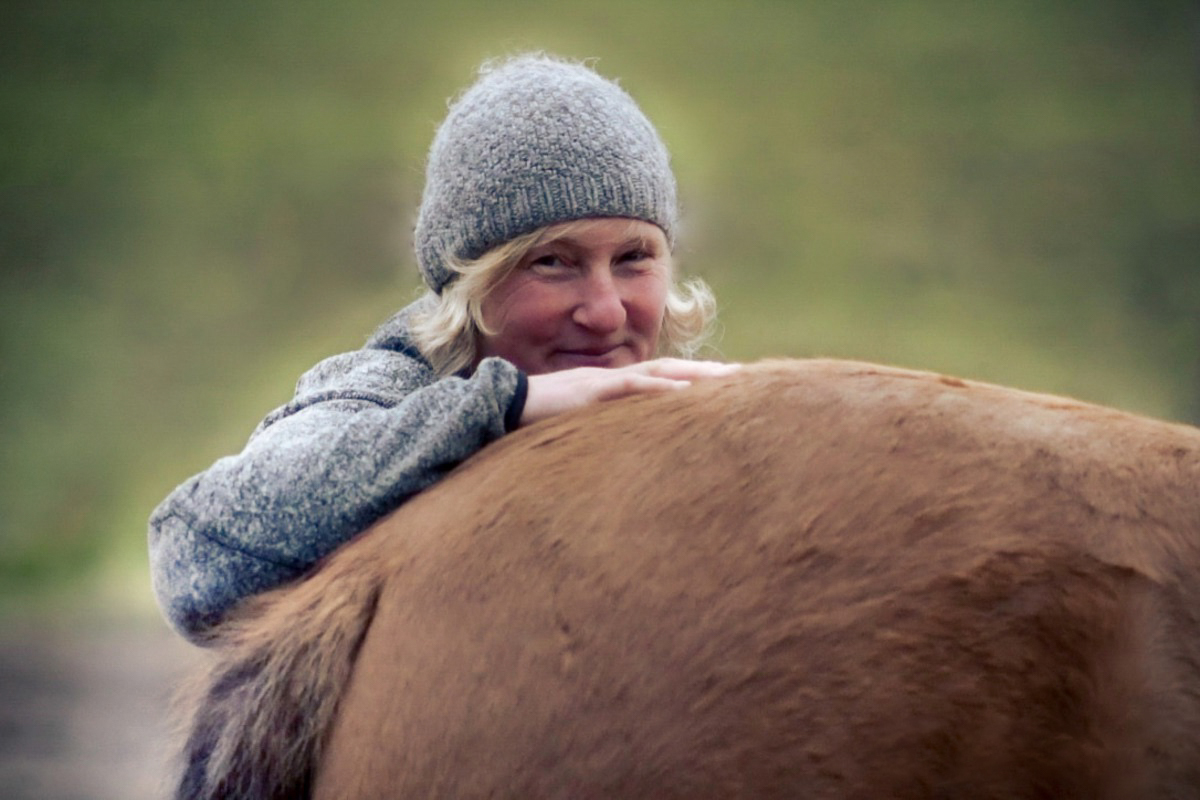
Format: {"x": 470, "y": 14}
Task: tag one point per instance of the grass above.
{"x": 198, "y": 202}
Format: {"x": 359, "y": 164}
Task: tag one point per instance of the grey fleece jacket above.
{"x": 365, "y": 431}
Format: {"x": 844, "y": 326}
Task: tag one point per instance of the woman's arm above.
{"x": 344, "y": 453}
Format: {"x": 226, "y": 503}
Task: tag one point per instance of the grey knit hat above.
{"x": 537, "y": 141}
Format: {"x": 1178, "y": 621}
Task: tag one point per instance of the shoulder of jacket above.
{"x": 389, "y": 362}
{"x": 371, "y": 369}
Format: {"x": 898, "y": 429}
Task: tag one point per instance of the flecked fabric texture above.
{"x": 537, "y": 141}
{"x": 365, "y": 431}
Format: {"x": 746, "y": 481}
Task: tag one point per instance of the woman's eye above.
{"x": 548, "y": 260}
{"x": 637, "y": 260}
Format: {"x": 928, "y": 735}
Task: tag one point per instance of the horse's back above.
{"x": 815, "y": 579}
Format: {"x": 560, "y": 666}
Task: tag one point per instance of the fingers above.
{"x": 553, "y": 393}
{"x": 613, "y": 385}
{"x": 682, "y": 369}
{"x": 661, "y": 374}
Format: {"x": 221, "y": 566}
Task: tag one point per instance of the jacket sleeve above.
{"x": 360, "y": 437}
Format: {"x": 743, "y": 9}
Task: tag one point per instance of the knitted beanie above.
{"x": 537, "y": 141}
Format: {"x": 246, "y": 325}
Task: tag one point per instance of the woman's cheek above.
{"x": 542, "y": 310}
{"x": 651, "y": 302}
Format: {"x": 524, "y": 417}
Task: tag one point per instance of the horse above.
{"x": 813, "y": 578}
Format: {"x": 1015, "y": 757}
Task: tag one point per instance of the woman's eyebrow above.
{"x": 573, "y": 246}
{"x": 639, "y": 242}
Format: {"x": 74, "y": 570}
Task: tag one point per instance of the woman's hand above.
{"x": 556, "y": 392}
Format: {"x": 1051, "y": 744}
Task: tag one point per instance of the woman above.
{"x": 544, "y": 236}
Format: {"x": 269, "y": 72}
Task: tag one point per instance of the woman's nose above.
{"x": 601, "y": 308}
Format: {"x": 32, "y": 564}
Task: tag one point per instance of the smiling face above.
{"x": 593, "y": 296}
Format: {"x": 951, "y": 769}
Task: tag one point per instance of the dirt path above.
{"x": 83, "y": 706}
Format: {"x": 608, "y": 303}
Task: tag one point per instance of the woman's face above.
{"x": 593, "y": 298}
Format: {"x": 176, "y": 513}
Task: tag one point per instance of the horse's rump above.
{"x": 813, "y": 579}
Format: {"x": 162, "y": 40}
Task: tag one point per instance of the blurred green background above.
{"x": 200, "y": 200}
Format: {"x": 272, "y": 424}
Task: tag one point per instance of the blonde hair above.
{"x": 448, "y": 332}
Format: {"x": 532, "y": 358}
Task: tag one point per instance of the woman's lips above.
{"x": 589, "y": 356}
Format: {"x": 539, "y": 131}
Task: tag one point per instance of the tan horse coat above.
{"x": 815, "y": 579}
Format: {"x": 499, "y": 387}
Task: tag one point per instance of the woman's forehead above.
{"x": 603, "y": 230}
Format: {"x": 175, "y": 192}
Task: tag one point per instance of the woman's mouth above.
{"x": 609, "y": 356}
